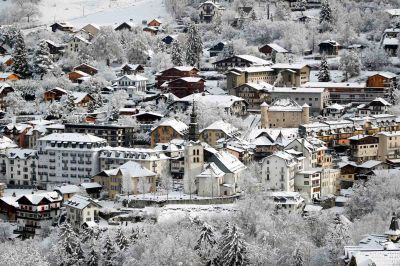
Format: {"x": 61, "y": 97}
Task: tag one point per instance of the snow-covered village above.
{"x": 200, "y": 132}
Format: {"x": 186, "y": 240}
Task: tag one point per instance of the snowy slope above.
{"x": 101, "y": 12}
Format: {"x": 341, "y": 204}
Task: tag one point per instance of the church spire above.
{"x": 193, "y": 126}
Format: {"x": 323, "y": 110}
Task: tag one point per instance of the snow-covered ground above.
{"x": 100, "y": 12}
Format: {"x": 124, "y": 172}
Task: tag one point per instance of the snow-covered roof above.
{"x": 80, "y": 202}
{"x": 260, "y": 86}
{"x": 289, "y": 66}
{"x": 191, "y": 79}
{"x": 178, "y": 126}
{"x": 390, "y": 41}
{"x": 20, "y": 153}
{"x": 334, "y": 85}
{"x": 67, "y": 189}
{"x": 332, "y": 42}
{"x": 36, "y": 198}
{"x": 133, "y": 154}
{"x": 5, "y": 75}
{"x": 209, "y": 2}
{"x": 79, "y": 96}
{"x": 393, "y": 12}
{"x": 283, "y": 155}
{"x": 183, "y": 68}
{"x": 225, "y": 101}
{"x": 72, "y": 137}
{"x": 382, "y": 101}
{"x": 80, "y": 38}
{"x": 287, "y": 197}
{"x": 263, "y": 141}
{"x": 142, "y": 112}
{"x": 211, "y": 170}
{"x": 227, "y": 162}
{"x": 132, "y": 78}
{"x": 285, "y": 105}
{"x": 134, "y": 169}
{"x": 273, "y": 89}
{"x": 335, "y": 106}
{"x": 253, "y": 69}
{"x": 254, "y": 59}
{"x": 6, "y": 143}
{"x": 91, "y": 185}
{"x": 227, "y": 128}
{"x": 386, "y": 74}
{"x": 277, "y": 48}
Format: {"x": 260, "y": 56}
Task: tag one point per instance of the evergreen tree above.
{"x": 41, "y": 61}
{"x": 336, "y": 238}
{"x": 69, "y": 104}
{"x": 323, "y": 75}
{"x": 298, "y": 258}
{"x": 70, "y": 246}
{"x": 233, "y": 250}
{"x": 20, "y": 61}
{"x": 194, "y": 46}
{"x": 177, "y": 54}
{"x": 121, "y": 240}
{"x": 205, "y": 245}
{"x": 325, "y": 14}
{"x": 108, "y": 252}
{"x": 92, "y": 258}
{"x": 91, "y": 107}
{"x": 350, "y": 64}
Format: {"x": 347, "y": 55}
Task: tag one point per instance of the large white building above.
{"x": 68, "y": 157}
{"x": 132, "y": 84}
{"x": 18, "y": 167}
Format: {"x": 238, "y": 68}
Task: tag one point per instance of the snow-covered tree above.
{"x": 375, "y": 58}
{"x": 177, "y": 55}
{"x": 206, "y": 243}
{"x": 19, "y": 56}
{"x": 350, "y": 64}
{"x": 337, "y": 237}
{"x": 109, "y": 252}
{"x": 194, "y": 46}
{"x": 161, "y": 61}
{"x": 233, "y": 249}
{"x": 121, "y": 240}
{"x": 166, "y": 181}
{"x": 106, "y": 45}
{"x": 41, "y": 61}
{"x": 323, "y": 75}
{"x": 298, "y": 258}
{"x": 54, "y": 111}
{"x": 325, "y": 14}
{"x": 92, "y": 258}
{"x": 228, "y": 50}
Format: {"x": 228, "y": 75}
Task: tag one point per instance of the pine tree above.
{"x": 121, "y": 240}
{"x": 91, "y": 107}
{"x": 177, "y": 54}
{"x": 20, "y": 61}
{"x": 92, "y": 258}
{"x": 298, "y": 258}
{"x": 69, "y": 105}
{"x": 325, "y": 14}
{"x": 70, "y": 245}
{"x": 323, "y": 75}
{"x": 206, "y": 238}
{"x": 337, "y": 237}
{"x": 108, "y": 252}
{"x": 233, "y": 250}
{"x": 194, "y": 46}
{"x": 350, "y": 64}
{"x": 41, "y": 61}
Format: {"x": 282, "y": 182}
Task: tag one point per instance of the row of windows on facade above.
{"x": 75, "y": 145}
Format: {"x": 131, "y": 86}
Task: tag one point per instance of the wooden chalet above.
{"x": 175, "y": 73}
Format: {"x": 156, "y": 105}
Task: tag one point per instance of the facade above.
{"x": 116, "y": 135}
{"x": 309, "y": 182}
{"x": 37, "y": 211}
{"x": 129, "y": 178}
{"x": 67, "y": 191}
{"x": 261, "y": 75}
{"x": 152, "y": 159}
{"x": 76, "y": 43}
{"x": 19, "y": 167}
{"x": 253, "y": 93}
{"x": 240, "y": 61}
{"x": 291, "y": 201}
{"x": 183, "y": 87}
{"x": 217, "y": 131}
{"x": 329, "y": 47}
{"x": 175, "y": 73}
{"x": 376, "y": 107}
{"x": 389, "y": 145}
{"x": 272, "y": 49}
{"x": 284, "y": 113}
{"x": 132, "y": 84}
{"x": 363, "y": 148}
{"x": 62, "y": 26}
{"x": 54, "y": 94}
{"x": 88, "y": 69}
{"x": 208, "y": 10}
{"x": 168, "y": 130}
{"x": 68, "y": 158}
{"x": 292, "y": 74}
{"x": 80, "y": 210}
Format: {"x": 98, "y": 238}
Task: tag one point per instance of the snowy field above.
{"x": 101, "y": 12}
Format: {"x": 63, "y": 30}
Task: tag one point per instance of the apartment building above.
{"x": 81, "y": 210}
{"x": 363, "y": 148}
{"x": 68, "y": 158}
{"x": 389, "y": 145}
{"x": 116, "y": 135}
{"x": 19, "y": 167}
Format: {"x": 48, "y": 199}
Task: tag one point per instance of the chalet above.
{"x": 132, "y": 84}
{"x": 329, "y": 47}
{"x": 382, "y": 80}
{"x": 147, "y": 120}
{"x": 131, "y": 69}
{"x": 82, "y": 99}
{"x": 168, "y": 130}
{"x": 93, "y": 189}
{"x": 76, "y": 43}
{"x": 91, "y": 30}
{"x": 254, "y": 93}
{"x": 152, "y": 30}
{"x": 86, "y": 69}
{"x": 6, "y": 60}
{"x": 391, "y": 44}
{"x": 183, "y": 87}
{"x": 154, "y": 23}
{"x": 8, "y": 76}
{"x": 67, "y": 191}
{"x": 169, "y": 39}
{"x": 208, "y": 10}
{"x": 54, "y": 94}
{"x": 54, "y": 48}
{"x": 175, "y": 73}
{"x": 292, "y": 74}
{"x": 125, "y": 26}
{"x": 62, "y": 26}
{"x": 375, "y": 107}
{"x": 240, "y": 61}
{"x": 81, "y": 210}
{"x": 8, "y": 208}
{"x": 77, "y": 76}
{"x": 334, "y": 110}
{"x": 272, "y": 49}
{"x": 394, "y": 13}
{"x": 5, "y": 89}
{"x": 35, "y": 211}
{"x": 217, "y": 49}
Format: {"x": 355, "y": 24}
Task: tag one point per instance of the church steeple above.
{"x": 193, "y": 126}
